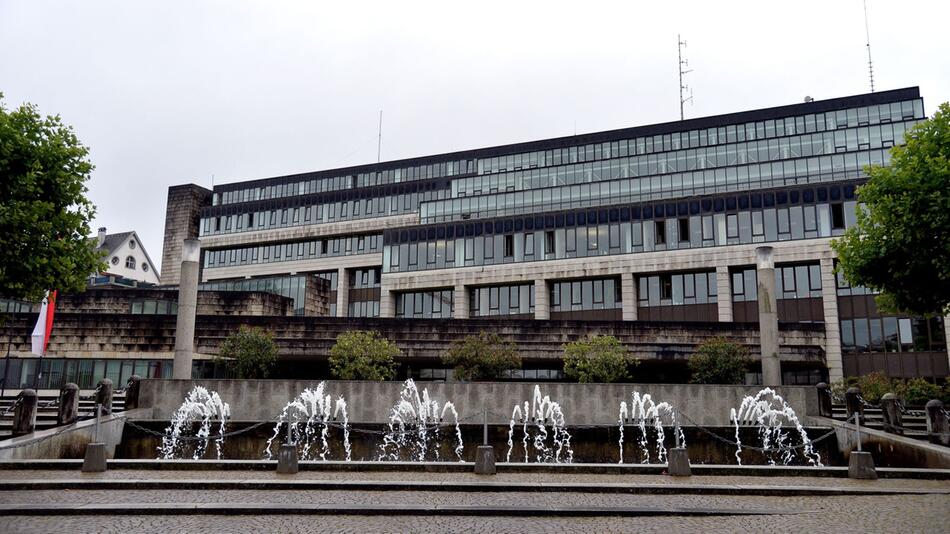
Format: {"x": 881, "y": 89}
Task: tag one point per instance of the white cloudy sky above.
{"x": 170, "y": 92}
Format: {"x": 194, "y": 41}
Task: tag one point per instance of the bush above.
{"x": 482, "y": 357}
{"x": 917, "y": 391}
{"x": 719, "y": 361}
{"x": 363, "y": 355}
{"x": 249, "y": 353}
{"x": 597, "y": 359}
{"x": 874, "y": 386}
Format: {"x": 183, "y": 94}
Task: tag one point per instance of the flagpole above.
{"x": 6, "y": 366}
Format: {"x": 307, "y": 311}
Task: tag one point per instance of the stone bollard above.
{"x": 678, "y": 462}
{"x": 287, "y": 463}
{"x": 861, "y": 466}
{"x": 24, "y": 415}
{"x": 824, "y": 400}
{"x": 104, "y": 395}
{"x": 485, "y": 460}
{"x": 937, "y": 424}
{"x": 852, "y": 400}
{"x": 891, "y": 409}
{"x": 95, "y": 459}
{"x": 132, "y": 392}
{"x": 68, "y": 405}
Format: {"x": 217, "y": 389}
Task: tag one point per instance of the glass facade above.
{"x": 489, "y": 301}
{"x": 434, "y": 304}
{"x": 293, "y": 251}
{"x": 294, "y": 287}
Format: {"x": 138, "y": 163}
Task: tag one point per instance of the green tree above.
{"x": 719, "y": 361}
{"x": 249, "y": 353}
{"x": 482, "y": 357}
{"x": 363, "y": 355}
{"x": 44, "y": 212}
{"x": 597, "y": 359}
{"x": 899, "y": 246}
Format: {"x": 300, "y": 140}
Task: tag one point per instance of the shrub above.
{"x": 874, "y": 386}
{"x": 719, "y": 361}
{"x": 249, "y": 353}
{"x": 363, "y": 355}
{"x": 597, "y": 359}
{"x": 917, "y": 391}
{"x": 482, "y": 357}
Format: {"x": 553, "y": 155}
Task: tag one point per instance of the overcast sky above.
{"x": 167, "y": 92}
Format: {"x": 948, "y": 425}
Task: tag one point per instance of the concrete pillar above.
{"x": 342, "y": 293}
{"x": 678, "y": 462}
{"x": 724, "y": 294}
{"x": 132, "y": 392}
{"x": 68, "y": 405}
{"x": 852, "y": 402}
{"x": 891, "y": 410}
{"x": 387, "y": 303}
{"x": 461, "y": 306}
{"x": 187, "y": 307}
{"x": 768, "y": 317}
{"x": 104, "y": 395}
{"x": 24, "y": 415}
{"x": 829, "y": 302}
{"x": 861, "y": 466}
{"x": 485, "y": 460}
{"x": 937, "y": 424}
{"x": 824, "y": 399}
{"x": 542, "y": 308}
{"x": 628, "y": 296}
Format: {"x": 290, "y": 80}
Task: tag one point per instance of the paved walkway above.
{"x": 890, "y": 513}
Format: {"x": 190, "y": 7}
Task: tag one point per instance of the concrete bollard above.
{"x": 852, "y": 401}
{"x": 678, "y": 462}
{"x": 937, "y": 425}
{"x": 95, "y": 459}
{"x": 287, "y": 463}
{"x": 824, "y": 400}
{"x": 68, "y": 405}
{"x": 24, "y": 415}
{"x": 485, "y": 460}
{"x": 891, "y": 409}
{"x": 132, "y": 392}
{"x": 861, "y": 466}
{"x": 104, "y": 395}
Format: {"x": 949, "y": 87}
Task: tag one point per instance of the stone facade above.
{"x": 182, "y": 215}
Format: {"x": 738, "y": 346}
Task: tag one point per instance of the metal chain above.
{"x": 61, "y": 430}
{"x": 760, "y": 449}
{"x": 13, "y": 406}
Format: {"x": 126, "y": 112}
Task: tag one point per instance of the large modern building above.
{"x": 654, "y": 223}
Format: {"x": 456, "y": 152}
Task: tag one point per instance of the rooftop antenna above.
{"x": 867, "y": 33}
{"x": 681, "y": 44}
{"x": 379, "y": 139}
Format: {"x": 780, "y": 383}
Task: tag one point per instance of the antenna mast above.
{"x": 379, "y": 139}
{"x": 680, "y": 45}
{"x": 867, "y": 33}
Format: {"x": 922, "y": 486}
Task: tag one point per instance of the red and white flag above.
{"x": 44, "y": 324}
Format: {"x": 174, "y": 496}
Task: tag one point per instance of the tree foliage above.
{"x": 363, "y": 355}
{"x": 249, "y": 353}
{"x": 44, "y": 212}
{"x": 482, "y": 357}
{"x": 597, "y": 359}
{"x": 719, "y": 361}
{"x": 900, "y": 245}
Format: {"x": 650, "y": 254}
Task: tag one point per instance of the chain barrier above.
{"x": 61, "y": 430}
{"x": 17, "y": 402}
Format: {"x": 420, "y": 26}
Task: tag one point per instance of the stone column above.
{"x": 829, "y": 303}
{"x": 24, "y": 415}
{"x": 461, "y": 305}
{"x": 542, "y": 309}
{"x": 628, "y": 296}
{"x": 768, "y": 317}
{"x": 724, "y": 294}
{"x": 132, "y": 392}
{"x": 104, "y": 393}
{"x": 68, "y": 405}
{"x": 187, "y": 307}
{"x": 342, "y": 293}
{"x": 387, "y": 303}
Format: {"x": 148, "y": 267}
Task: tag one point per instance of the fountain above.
{"x": 769, "y": 412}
{"x": 536, "y": 417}
{"x": 199, "y": 406}
{"x": 644, "y": 411}
{"x": 414, "y": 423}
{"x": 309, "y": 417}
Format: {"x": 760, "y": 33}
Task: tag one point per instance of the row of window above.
{"x": 796, "y": 125}
{"x": 279, "y": 217}
{"x": 54, "y": 373}
{"x": 153, "y": 307}
{"x": 294, "y": 286}
{"x": 791, "y": 282}
{"x": 300, "y": 250}
{"x": 502, "y": 300}
{"x": 819, "y": 144}
{"x": 363, "y": 308}
{"x": 838, "y": 167}
{"x": 365, "y": 278}
{"x": 677, "y": 289}
{"x": 892, "y": 334}
{"x": 434, "y": 304}
{"x": 582, "y": 295}
{"x": 693, "y": 231}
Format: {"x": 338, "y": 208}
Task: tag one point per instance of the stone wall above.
{"x": 182, "y": 216}
{"x": 371, "y": 402}
{"x": 119, "y": 301}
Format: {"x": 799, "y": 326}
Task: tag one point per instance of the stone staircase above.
{"x": 914, "y": 420}
{"x": 48, "y": 408}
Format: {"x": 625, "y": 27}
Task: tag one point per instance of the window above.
{"x": 130, "y": 262}
{"x": 115, "y": 260}
{"x": 132, "y": 243}
{"x": 509, "y": 246}
{"x": 837, "y": 216}
{"x": 145, "y": 266}
{"x": 549, "y": 242}
{"x": 666, "y": 287}
{"x": 660, "y": 232}
{"x": 683, "y": 229}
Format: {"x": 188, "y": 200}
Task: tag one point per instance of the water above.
{"x": 534, "y": 420}
{"x": 769, "y": 412}
{"x": 203, "y": 407}
{"x": 309, "y": 418}
{"x": 644, "y": 412}
{"x": 414, "y": 427}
